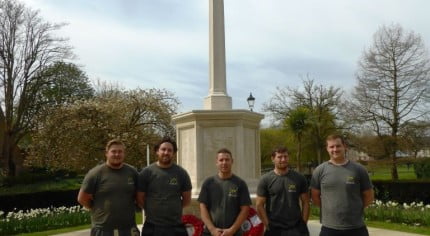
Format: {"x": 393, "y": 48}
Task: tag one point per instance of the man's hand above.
{"x": 227, "y": 232}
{"x": 216, "y": 232}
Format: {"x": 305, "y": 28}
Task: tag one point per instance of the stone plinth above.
{"x": 217, "y": 102}
{"x": 201, "y": 133}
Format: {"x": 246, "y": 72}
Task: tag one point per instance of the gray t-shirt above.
{"x": 341, "y": 188}
{"x": 163, "y": 188}
{"x": 282, "y": 193}
{"x": 223, "y": 198}
{"x": 114, "y": 196}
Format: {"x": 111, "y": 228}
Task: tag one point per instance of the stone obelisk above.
{"x": 201, "y": 133}
{"x": 217, "y": 98}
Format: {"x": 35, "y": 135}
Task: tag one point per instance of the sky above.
{"x": 272, "y": 43}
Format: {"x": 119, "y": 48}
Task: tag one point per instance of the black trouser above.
{"x": 132, "y": 231}
{"x": 347, "y": 232}
{"x": 155, "y": 230}
{"x": 300, "y": 229}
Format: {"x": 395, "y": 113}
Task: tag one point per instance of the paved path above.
{"x": 314, "y": 228}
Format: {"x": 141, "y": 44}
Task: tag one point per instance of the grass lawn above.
{"x": 58, "y": 231}
{"x": 384, "y": 172}
{"x": 76, "y": 228}
{"x": 399, "y": 227}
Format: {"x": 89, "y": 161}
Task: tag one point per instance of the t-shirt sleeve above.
{"x": 365, "y": 182}
{"x": 303, "y": 184}
{"x": 89, "y": 183}
{"x": 186, "y": 186}
{"x": 142, "y": 183}
{"x": 262, "y": 187}
{"x": 316, "y": 180}
{"x": 203, "y": 195}
{"x": 135, "y": 177}
{"x": 245, "y": 199}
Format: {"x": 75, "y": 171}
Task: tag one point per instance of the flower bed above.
{"x": 36, "y": 220}
{"x": 414, "y": 214}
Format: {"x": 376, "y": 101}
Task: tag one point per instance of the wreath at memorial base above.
{"x": 193, "y": 225}
{"x": 252, "y": 226}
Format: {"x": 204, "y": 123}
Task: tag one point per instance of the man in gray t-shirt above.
{"x": 109, "y": 191}
{"x": 342, "y": 189}
{"x": 164, "y": 188}
{"x": 224, "y": 199}
{"x": 279, "y": 195}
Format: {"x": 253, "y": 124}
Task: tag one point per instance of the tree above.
{"x": 370, "y": 144}
{"x": 73, "y": 136}
{"x": 271, "y": 138}
{"x": 297, "y": 123}
{"x": 27, "y": 46}
{"x": 64, "y": 83}
{"x": 393, "y": 85}
{"x": 321, "y": 102}
{"x": 415, "y": 136}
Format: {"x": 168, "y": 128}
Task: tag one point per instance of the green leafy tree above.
{"x": 65, "y": 83}
{"x": 73, "y": 136}
{"x": 271, "y": 138}
{"x": 27, "y": 46}
{"x": 297, "y": 123}
{"x": 322, "y": 103}
{"x": 393, "y": 86}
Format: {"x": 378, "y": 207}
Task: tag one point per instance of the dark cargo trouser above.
{"x": 155, "y": 230}
{"x": 300, "y": 229}
{"x": 348, "y": 232}
{"x": 133, "y": 231}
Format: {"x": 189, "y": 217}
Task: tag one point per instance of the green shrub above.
{"x": 35, "y": 175}
{"x": 422, "y": 168}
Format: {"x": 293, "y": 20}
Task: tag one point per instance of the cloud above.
{"x": 164, "y": 43}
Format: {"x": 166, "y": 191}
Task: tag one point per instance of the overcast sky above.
{"x": 269, "y": 44}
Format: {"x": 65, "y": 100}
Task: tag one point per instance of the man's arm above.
{"x": 206, "y": 218}
{"x": 260, "y": 202}
{"x": 85, "y": 199}
{"x": 316, "y": 197}
{"x": 368, "y": 196}
{"x": 304, "y": 198}
{"x": 186, "y": 198}
{"x": 140, "y": 199}
{"x": 243, "y": 214}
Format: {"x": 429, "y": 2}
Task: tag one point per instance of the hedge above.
{"x": 39, "y": 200}
{"x": 402, "y": 191}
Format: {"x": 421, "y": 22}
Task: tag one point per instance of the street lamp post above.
{"x": 251, "y": 101}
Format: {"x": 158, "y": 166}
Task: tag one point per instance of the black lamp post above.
{"x": 250, "y": 101}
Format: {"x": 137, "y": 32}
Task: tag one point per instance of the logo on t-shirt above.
{"x": 350, "y": 180}
{"x": 292, "y": 188}
{"x": 173, "y": 181}
{"x": 130, "y": 181}
{"x": 232, "y": 192}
